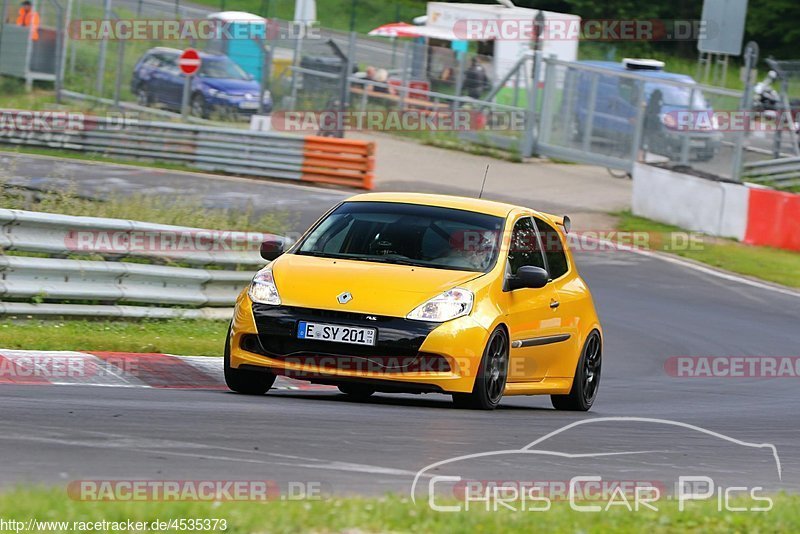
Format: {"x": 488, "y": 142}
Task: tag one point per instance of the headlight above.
{"x": 444, "y": 307}
{"x": 668, "y": 120}
{"x": 214, "y": 92}
{"x": 262, "y": 288}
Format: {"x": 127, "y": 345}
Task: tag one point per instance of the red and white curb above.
{"x": 122, "y": 369}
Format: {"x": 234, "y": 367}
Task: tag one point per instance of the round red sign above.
{"x": 189, "y": 61}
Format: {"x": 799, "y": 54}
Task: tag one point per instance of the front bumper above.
{"x": 236, "y": 105}
{"x": 410, "y": 356}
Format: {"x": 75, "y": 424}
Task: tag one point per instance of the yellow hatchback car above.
{"x": 414, "y": 293}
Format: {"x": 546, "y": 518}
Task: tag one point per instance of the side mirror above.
{"x": 272, "y": 248}
{"x": 529, "y": 276}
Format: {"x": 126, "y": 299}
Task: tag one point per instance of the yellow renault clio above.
{"x": 414, "y": 293}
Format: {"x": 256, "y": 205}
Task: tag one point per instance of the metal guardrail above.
{"x": 34, "y": 285}
{"x": 228, "y": 150}
{"x": 784, "y": 172}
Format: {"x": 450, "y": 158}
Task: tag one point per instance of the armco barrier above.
{"x": 346, "y": 162}
{"x": 33, "y": 285}
{"x": 752, "y": 214}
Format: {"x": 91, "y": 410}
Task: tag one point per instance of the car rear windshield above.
{"x": 408, "y": 234}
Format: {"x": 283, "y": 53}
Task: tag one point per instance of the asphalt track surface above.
{"x": 651, "y": 309}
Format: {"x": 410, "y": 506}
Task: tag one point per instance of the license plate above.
{"x": 336, "y": 333}
{"x": 248, "y": 105}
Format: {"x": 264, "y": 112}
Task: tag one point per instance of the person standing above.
{"x": 475, "y": 80}
{"x": 29, "y": 18}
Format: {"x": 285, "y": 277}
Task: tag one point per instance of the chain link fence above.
{"x": 588, "y": 111}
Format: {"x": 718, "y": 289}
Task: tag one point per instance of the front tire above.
{"x": 244, "y": 381}
{"x": 492, "y": 374}
{"x": 587, "y": 378}
{"x": 198, "y": 106}
{"x": 143, "y": 97}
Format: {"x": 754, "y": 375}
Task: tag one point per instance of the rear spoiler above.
{"x": 561, "y": 220}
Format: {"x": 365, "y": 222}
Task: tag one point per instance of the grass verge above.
{"x": 395, "y": 514}
{"x": 190, "y": 337}
{"x": 766, "y": 263}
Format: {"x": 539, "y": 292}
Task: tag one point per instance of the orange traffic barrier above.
{"x": 349, "y": 162}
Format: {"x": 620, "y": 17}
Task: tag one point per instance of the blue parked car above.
{"x": 615, "y": 108}
{"x": 220, "y": 85}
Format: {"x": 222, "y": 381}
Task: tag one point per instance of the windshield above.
{"x": 672, "y": 95}
{"x": 222, "y": 68}
{"x": 407, "y": 234}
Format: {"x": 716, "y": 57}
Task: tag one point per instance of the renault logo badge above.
{"x": 344, "y": 298}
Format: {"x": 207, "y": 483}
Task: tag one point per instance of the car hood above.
{"x": 232, "y": 86}
{"x": 379, "y": 289}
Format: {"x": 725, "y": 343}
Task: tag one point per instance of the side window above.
{"x": 524, "y": 249}
{"x": 169, "y": 63}
{"x": 553, "y": 249}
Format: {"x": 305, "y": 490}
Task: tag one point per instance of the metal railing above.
{"x": 120, "y": 284}
{"x": 226, "y": 150}
{"x": 229, "y": 150}
{"x": 784, "y": 172}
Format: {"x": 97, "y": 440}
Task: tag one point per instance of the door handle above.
{"x": 554, "y": 304}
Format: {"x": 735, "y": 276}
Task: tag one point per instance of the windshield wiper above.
{"x": 397, "y": 260}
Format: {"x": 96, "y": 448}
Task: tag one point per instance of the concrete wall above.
{"x": 697, "y": 204}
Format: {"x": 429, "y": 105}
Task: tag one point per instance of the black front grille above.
{"x": 277, "y": 332}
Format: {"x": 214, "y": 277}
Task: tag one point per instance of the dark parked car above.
{"x": 219, "y": 86}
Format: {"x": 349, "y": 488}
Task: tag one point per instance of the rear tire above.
{"x": 587, "y": 378}
{"x": 356, "y": 391}
{"x": 492, "y": 374}
{"x": 244, "y": 381}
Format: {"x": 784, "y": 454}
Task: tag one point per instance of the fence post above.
{"x": 531, "y": 137}
{"x": 586, "y": 142}
{"x": 639, "y": 125}
{"x": 546, "y": 120}
{"x": 750, "y": 60}
{"x": 101, "y": 58}
{"x": 120, "y": 64}
{"x": 266, "y": 76}
{"x": 348, "y": 69}
{"x": 685, "y": 139}
{"x": 404, "y": 76}
{"x": 298, "y": 46}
